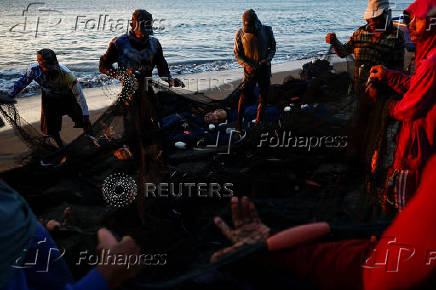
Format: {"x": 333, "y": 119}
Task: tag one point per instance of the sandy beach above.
{"x": 216, "y": 85}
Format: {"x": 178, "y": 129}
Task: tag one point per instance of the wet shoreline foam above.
{"x": 215, "y": 84}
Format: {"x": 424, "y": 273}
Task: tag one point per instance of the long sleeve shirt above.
{"x": 64, "y": 84}
{"x": 403, "y": 257}
{"x": 130, "y": 52}
{"x": 249, "y": 49}
{"x": 386, "y": 49}
{"x": 44, "y": 268}
{"x": 416, "y": 141}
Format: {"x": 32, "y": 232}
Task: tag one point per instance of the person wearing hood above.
{"x": 254, "y": 49}
{"x": 416, "y": 111}
{"x": 137, "y": 50}
{"x": 30, "y": 259}
{"x": 61, "y": 94}
{"x": 137, "y": 53}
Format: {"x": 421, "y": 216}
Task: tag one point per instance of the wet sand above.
{"x": 216, "y": 85}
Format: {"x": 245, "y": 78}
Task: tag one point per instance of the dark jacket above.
{"x": 131, "y": 52}
{"x": 263, "y": 39}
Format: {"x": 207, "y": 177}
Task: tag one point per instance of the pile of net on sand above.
{"x": 289, "y": 185}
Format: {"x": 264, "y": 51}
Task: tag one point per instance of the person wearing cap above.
{"x": 415, "y": 142}
{"x": 254, "y": 48}
{"x": 61, "y": 94}
{"x": 377, "y": 42}
{"x": 30, "y": 259}
{"x": 372, "y": 132}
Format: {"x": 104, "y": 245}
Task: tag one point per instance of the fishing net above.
{"x": 290, "y": 186}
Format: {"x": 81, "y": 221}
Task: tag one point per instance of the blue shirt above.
{"x": 50, "y": 272}
{"x": 63, "y": 85}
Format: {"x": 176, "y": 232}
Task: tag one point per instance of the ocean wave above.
{"x": 92, "y": 78}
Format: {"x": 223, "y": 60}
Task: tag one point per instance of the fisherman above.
{"x": 417, "y": 109}
{"x": 377, "y": 42}
{"x": 255, "y": 47}
{"x": 61, "y": 94}
{"x": 137, "y": 53}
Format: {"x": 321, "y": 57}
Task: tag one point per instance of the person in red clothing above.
{"x": 403, "y": 258}
{"x": 416, "y": 141}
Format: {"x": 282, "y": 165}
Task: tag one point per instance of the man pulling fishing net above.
{"x": 61, "y": 94}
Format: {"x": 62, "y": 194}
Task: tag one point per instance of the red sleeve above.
{"x": 407, "y": 255}
{"x": 420, "y": 96}
{"x": 398, "y": 81}
{"x": 335, "y": 265}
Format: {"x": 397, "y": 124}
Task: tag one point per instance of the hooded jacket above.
{"x": 416, "y": 141}
{"x": 250, "y": 48}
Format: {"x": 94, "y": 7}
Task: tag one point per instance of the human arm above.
{"x": 250, "y": 230}
{"x": 163, "y": 69}
{"x": 51, "y": 271}
{"x": 238, "y": 51}
{"x": 410, "y": 254}
{"x": 108, "y": 59}
{"x": 23, "y": 81}
{"x": 342, "y": 50}
{"x": 327, "y": 264}
{"x": 271, "y": 48}
{"x": 419, "y": 97}
{"x": 397, "y": 80}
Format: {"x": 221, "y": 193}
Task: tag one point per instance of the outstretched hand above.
{"x": 248, "y": 228}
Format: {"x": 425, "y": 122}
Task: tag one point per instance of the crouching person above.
{"x": 61, "y": 94}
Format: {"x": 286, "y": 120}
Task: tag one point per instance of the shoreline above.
{"x": 216, "y": 85}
